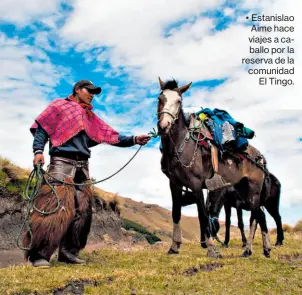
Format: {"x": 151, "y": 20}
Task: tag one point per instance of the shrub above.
{"x": 3, "y": 178}
{"x": 273, "y": 231}
{"x": 131, "y": 225}
{"x": 287, "y": 228}
{"x": 13, "y": 171}
{"x": 12, "y": 177}
{"x": 298, "y": 226}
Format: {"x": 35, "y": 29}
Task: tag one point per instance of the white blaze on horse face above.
{"x": 171, "y": 106}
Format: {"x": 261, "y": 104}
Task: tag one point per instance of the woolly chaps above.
{"x": 68, "y": 227}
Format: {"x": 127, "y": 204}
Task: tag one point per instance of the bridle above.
{"x": 174, "y": 117}
{"x": 178, "y": 151}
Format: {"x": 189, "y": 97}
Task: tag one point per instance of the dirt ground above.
{"x": 11, "y": 257}
{"x": 15, "y": 256}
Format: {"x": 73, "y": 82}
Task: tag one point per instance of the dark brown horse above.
{"x": 229, "y": 198}
{"x": 188, "y": 165}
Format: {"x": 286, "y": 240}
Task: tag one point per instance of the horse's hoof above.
{"x": 203, "y": 245}
{"x": 246, "y": 253}
{"x": 171, "y": 251}
{"x": 213, "y": 253}
{"x": 266, "y": 253}
{"x": 279, "y": 243}
{"x": 225, "y": 245}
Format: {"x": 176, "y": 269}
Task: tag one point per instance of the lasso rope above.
{"x": 40, "y": 174}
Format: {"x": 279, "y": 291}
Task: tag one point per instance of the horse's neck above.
{"x": 177, "y": 135}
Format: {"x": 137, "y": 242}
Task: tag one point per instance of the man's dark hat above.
{"x": 88, "y": 85}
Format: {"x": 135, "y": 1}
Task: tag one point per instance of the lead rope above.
{"x": 40, "y": 174}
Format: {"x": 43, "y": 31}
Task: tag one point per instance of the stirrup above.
{"x": 216, "y": 182}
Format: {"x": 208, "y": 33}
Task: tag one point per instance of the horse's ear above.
{"x": 161, "y": 83}
{"x": 184, "y": 88}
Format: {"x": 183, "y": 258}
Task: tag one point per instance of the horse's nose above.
{"x": 163, "y": 125}
{"x": 160, "y": 130}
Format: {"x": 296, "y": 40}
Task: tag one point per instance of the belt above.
{"x": 71, "y": 156}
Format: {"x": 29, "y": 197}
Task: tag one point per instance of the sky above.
{"x": 124, "y": 46}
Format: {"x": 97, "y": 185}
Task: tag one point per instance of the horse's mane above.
{"x": 171, "y": 85}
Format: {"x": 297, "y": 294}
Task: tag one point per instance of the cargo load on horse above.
{"x": 227, "y": 133}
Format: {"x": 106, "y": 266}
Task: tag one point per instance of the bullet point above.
{"x": 247, "y": 17}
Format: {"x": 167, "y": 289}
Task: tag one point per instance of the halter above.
{"x": 167, "y": 112}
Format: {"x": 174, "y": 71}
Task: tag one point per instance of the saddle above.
{"x": 204, "y": 136}
{"x": 202, "y": 132}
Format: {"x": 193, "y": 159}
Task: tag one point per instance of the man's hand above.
{"x": 142, "y": 139}
{"x": 39, "y": 158}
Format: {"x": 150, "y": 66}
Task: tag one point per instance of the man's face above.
{"x": 84, "y": 95}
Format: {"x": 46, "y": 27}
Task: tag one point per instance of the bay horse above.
{"x": 229, "y": 198}
{"x": 188, "y": 165}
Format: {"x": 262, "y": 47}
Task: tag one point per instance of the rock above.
{"x": 13, "y": 207}
{"x": 107, "y": 238}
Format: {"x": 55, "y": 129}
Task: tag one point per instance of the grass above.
{"x": 152, "y": 271}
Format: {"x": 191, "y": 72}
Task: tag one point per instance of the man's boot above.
{"x": 41, "y": 263}
{"x": 67, "y": 257}
{"x": 216, "y": 182}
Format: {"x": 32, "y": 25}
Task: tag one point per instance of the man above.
{"x": 72, "y": 129}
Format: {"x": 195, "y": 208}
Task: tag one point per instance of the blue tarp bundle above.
{"x": 219, "y": 117}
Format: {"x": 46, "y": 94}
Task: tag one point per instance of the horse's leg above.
{"x": 204, "y": 227}
{"x": 265, "y": 234}
{"x": 228, "y": 211}
{"x": 203, "y": 234}
{"x": 189, "y": 198}
{"x": 273, "y": 209}
{"x": 255, "y": 186}
{"x": 176, "y": 215}
{"x": 254, "y": 195}
{"x": 203, "y": 242}
{"x": 241, "y": 226}
{"x": 253, "y": 225}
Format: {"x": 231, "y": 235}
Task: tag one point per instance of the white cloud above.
{"x": 137, "y": 39}
{"x": 150, "y": 39}
{"x": 42, "y": 40}
{"x": 140, "y": 180}
{"x": 228, "y": 11}
{"x": 27, "y": 78}
{"x": 23, "y": 12}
